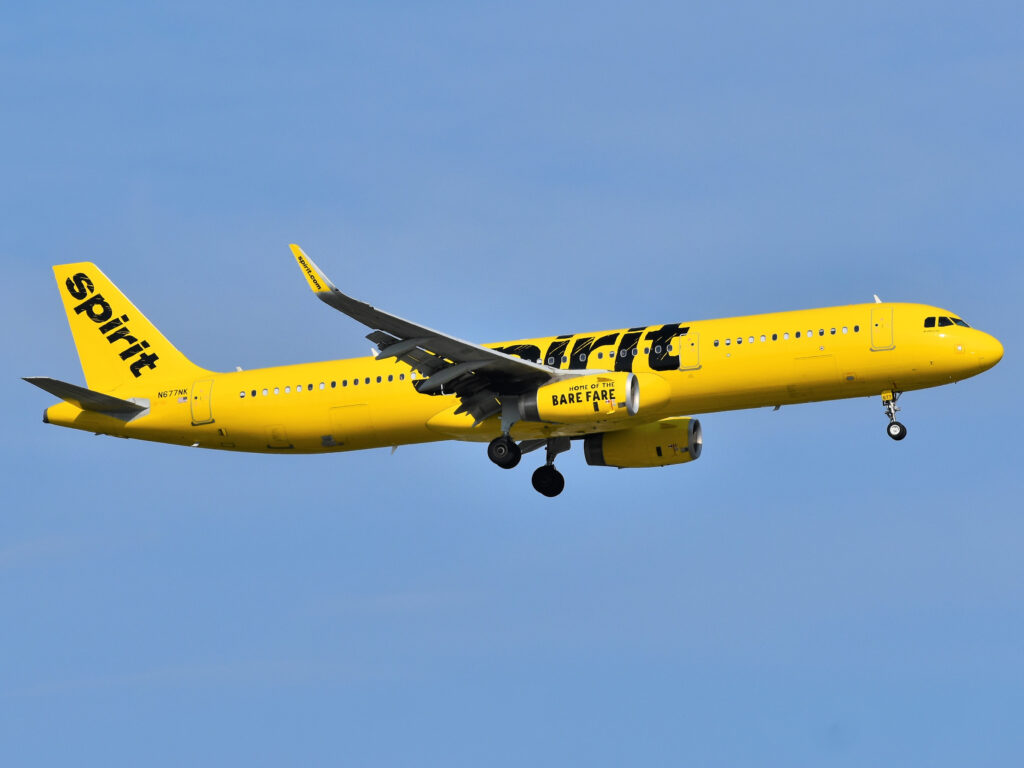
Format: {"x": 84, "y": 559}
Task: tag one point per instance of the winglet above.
{"x": 317, "y": 280}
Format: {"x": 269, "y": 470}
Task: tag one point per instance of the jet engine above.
{"x": 669, "y": 441}
{"x": 598, "y": 397}
{"x": 611, "y": 396}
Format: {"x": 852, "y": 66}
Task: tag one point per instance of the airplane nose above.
{"x": 990, "y": 350}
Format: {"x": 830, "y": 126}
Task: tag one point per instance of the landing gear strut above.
{"x": 504, "y": 452}
{"x": 895, "y": 430}
{"x": 546, "y": 479}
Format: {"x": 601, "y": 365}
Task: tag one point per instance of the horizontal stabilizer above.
{"x": 83, "y": 398}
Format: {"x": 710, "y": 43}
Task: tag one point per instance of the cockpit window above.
{"x": 960, "y": 322}
{"x": 944, "y": 321}
{"x": 929, "y": 322}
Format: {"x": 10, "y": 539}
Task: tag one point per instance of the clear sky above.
{"x": 808, "y": 593}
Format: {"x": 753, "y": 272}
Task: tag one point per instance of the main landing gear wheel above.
{"x": 504, "y": 452}
{"x": 548, "y": 480}
{"x": 896, "y": 430}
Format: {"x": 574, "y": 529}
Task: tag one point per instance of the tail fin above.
{"x": 116, "y": 343}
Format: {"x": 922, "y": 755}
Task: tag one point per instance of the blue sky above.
{"x": 808, "y": 593}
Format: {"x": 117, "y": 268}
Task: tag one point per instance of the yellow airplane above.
{"x": 629, "y": 395}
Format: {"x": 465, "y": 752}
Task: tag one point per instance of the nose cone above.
{"x": 988, "y": 351}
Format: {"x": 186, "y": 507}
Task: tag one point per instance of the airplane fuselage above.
{"x": 712, "y": 365}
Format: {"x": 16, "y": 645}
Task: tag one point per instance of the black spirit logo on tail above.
{"x": 114, "y": 329}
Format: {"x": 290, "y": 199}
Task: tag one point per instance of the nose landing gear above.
{"x": 895, "y": 430}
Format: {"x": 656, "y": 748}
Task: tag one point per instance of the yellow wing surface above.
{"x": 476, "y": 374}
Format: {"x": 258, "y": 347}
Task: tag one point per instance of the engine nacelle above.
{"x": 669, "y": 441}
{"x": 600, "y": 397}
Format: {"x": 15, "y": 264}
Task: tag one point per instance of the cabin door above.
{"x": 201, "y": 409}
{"x": 881, "y": 328}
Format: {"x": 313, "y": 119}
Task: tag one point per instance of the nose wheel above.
{"x": 895, "y": 430}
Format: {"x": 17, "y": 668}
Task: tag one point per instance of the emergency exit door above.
{"x": 689, "y": 351}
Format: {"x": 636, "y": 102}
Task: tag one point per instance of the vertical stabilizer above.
{"x": 116, "y": 344}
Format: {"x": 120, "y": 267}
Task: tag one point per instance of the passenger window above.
{"x": 265, "y": 393}
{"x": 401, "y": 377}
{"x": 764, "y": 338}
{"x": 254, "y": 393}
{"x": 797, "y": 335}
{"x": 944, "y": 322}
{"x": 929, "y": 322}
{"x": 583, "y": 357}
{"x": 821, "y": 332}
{"x": 810, "y": 334}
{"x": 833, "y": 331}
{"x": 412, "y": 376}
{"x": 647, "y": 350}
{"x": 785, "y": 336}
{"x": 277, "y": 390}
{"x": 287, "y": 390}
{"x": 751, "y": 339}
{"x": 856, "y": 329}
{"x": 390, "y": 377}
{"x": 344, "y": 382}
{"x": 551, "y": 361}
{"x": 657, "y": 349}
{"x": 635, "y": 350}
{"x": 378, "y": 379}
{"x": 334, "y": 384}
{"x": 844, "y": 329}
{"x": 728, "y": 342}
{"x": 739, "y": 340}
{"x": 366, "y": 380}
{"x": 564, "y": 359}
{"x": 242, "y": 393}
{"x": 355, "y": 382}
{"x": 670, "y": 349}
{"x": 716, "y": 343}
{"x": 600, "y": 355}
{"x": 322, "y": 385}
{"x": 775, "y": 337}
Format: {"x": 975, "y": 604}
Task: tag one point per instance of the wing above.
{"x": 476, "y": 374}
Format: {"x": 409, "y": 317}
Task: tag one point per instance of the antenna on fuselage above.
{"x": 877, "y": 300}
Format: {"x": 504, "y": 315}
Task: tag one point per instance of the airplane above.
{"x": 629, "y": 396}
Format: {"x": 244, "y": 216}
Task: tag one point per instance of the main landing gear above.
{"x": 506, "y": 453}
{"x": 895, "y": 430}
{"x": 546, "y": 479}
